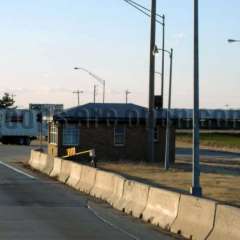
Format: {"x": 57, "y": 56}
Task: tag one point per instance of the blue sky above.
{"x": 41, "y": 42}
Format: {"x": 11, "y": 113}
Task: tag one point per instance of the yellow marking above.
{"x": 70, "y": 150}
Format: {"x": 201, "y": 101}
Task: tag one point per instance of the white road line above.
{"x": 111, "y": 224}
{"x": 17, "y": 170}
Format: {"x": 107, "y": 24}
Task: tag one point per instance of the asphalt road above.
{"x": 35, "y": 207}
{"x": 206, "y": 153}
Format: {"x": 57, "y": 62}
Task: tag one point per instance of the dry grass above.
{"x": 223, "y": 187}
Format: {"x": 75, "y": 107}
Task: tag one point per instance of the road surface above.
{"x": 209, "y": 154}
{"x": 35, "y": 207}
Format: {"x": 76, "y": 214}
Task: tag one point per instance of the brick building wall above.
{"x": 101, "y": 138}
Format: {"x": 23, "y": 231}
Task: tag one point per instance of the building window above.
{"x": 70, "y": 136}
{"x": 53, "y": 136}
{"x": 119, "y": 136}
{"x": 14, "y": 118}
{"x": 156, "y": 134}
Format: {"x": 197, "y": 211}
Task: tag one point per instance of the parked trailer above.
{"x": 19, "y": 126}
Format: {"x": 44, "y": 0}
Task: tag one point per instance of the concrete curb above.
{"x": 162, "y": 207}
{"x": 227, "y": 224}
{"x": 195, "y": 217}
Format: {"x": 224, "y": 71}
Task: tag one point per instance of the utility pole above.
{"x": 148, "y": 13}
{"x": 94, "y": 93}
{"x": 78, "y": 95}
{"x": 104, "y": 90}
{"x": 151, "y": 84}
{"x": 163, "y": 58}
{"x": 196, "y": 189}
{"x": 127, "y": 92}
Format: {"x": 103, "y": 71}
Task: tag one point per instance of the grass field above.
{"x": 219, "y": 178}
{"x": 223, "y": 187}
{"x": 222, "y": 141}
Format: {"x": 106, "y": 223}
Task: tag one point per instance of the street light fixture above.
{"x": 168, "y": 125}
{"x": 100, "y": 80}
{"x": 233, "y": 40}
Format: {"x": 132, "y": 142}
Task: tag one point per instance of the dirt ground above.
{"x": 220, "y": 180}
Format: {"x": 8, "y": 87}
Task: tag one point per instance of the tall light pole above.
{"x": 167, "y": 145}
{"x": 94, "y": 93}
{"x": 163, "y": 58}
{"x": 78, "y": 95}
{"x": 151, "y": 124}
{"x": 100, "y": 80}
{"x": 168, "y": 122}
{"x": 196, "y": 189}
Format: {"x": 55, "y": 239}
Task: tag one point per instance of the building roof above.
{"x": 104, "y": 111}
{"x": 126, "y": 112}
{"x": 205, "y": 114}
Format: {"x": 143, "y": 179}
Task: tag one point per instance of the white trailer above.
{"x": 19, "y": 126}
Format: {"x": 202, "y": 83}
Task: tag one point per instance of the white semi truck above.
{"x": 19, "y": 126}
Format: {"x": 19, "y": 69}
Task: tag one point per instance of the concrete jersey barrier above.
{"x": 227, "y": 224}
{"x": 47, "y": 169}
{"x": 117, "y": 190}
{"x": 87, "y": 179}
{"x": 134, "y": 199}
{"x": 162, "y": 207}
{"x": 195, "y": 217}
{"x": 75, "y": 175}
{"x": 44, "y": 163}
{"x": 33, "y": 157}
{"x": 65, "y": 171}
{"x": 57, "y": 163}
{"x": 104, "y": 185}
{"x": 39, "y": 161}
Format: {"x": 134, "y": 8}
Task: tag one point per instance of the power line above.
{"x": 139, "y": 5}
{"x": 143, "y": 9}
